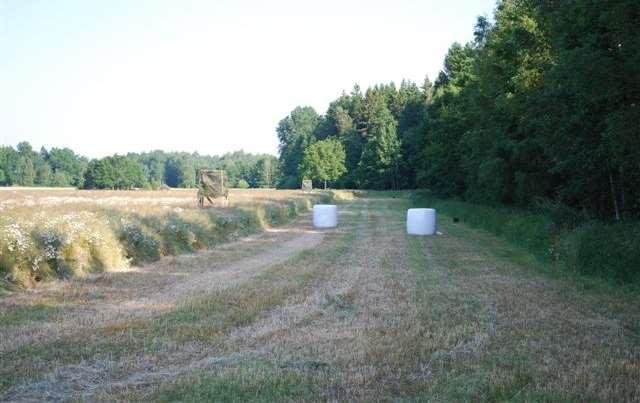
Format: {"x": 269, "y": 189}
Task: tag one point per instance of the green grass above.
{"x": 607, "y": 251}
{"x": 250, "y": 382}
{"x": 19, "y": 314}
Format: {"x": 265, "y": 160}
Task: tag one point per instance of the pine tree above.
{"x": 380, "y": 158}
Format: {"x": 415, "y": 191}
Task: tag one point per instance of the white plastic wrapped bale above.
{"x": 421, "y": 221}
{"x": 325, "y": 216}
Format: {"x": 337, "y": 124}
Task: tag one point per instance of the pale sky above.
{"x": 112, "y": 76}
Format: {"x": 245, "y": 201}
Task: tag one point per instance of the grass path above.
{"x": 362, "y": 312}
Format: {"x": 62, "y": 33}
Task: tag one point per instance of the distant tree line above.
{"x": 543, "y": 105}
{"x": 22, "y": 166}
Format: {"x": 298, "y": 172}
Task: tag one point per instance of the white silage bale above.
{"x": 421, "y": 221}
{"x": 325, "y": 216}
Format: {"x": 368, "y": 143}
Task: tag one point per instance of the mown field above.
{"x": 361, "y": 312}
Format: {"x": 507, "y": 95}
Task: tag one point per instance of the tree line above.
{"x": 543, "y": 106}
{"x": 59, "y": 167}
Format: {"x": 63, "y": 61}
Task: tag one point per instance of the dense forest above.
{"x": 543, "y": 106}
{"x": 23, "y": 166}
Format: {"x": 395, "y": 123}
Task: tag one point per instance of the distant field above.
{"x": 16, "y": 197}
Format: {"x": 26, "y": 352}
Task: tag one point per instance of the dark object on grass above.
{"x": 456, "y": 219}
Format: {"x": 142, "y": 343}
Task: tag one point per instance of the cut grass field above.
{"x": 362, "y": 312}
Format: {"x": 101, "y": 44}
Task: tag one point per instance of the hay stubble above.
{"x": 361, "y": 312}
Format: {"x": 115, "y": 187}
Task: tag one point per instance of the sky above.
{"x": 117, "y": 76}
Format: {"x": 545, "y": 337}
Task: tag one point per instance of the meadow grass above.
{"x": 255, "y": 382}
{"x": 208, "y": 319}
{"x": 200, "y": 321}
{"x": 37, "y": 311}
{"x": 583, "y": 247}
{"x": 367, "y": 314}
{"x": 45, "y": 235}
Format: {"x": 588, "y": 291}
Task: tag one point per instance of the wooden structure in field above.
{"x": 211, "y": 186}
{"x": 307, "y": 185}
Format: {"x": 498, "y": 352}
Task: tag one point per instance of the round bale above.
{"x": 421, "y": 221}
{"x": 325, "y": 216}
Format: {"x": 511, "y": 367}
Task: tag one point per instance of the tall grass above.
{"x": 68, "y": 240}
{"x": 582, "y": 246}
{"x": 45, "y": 245}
